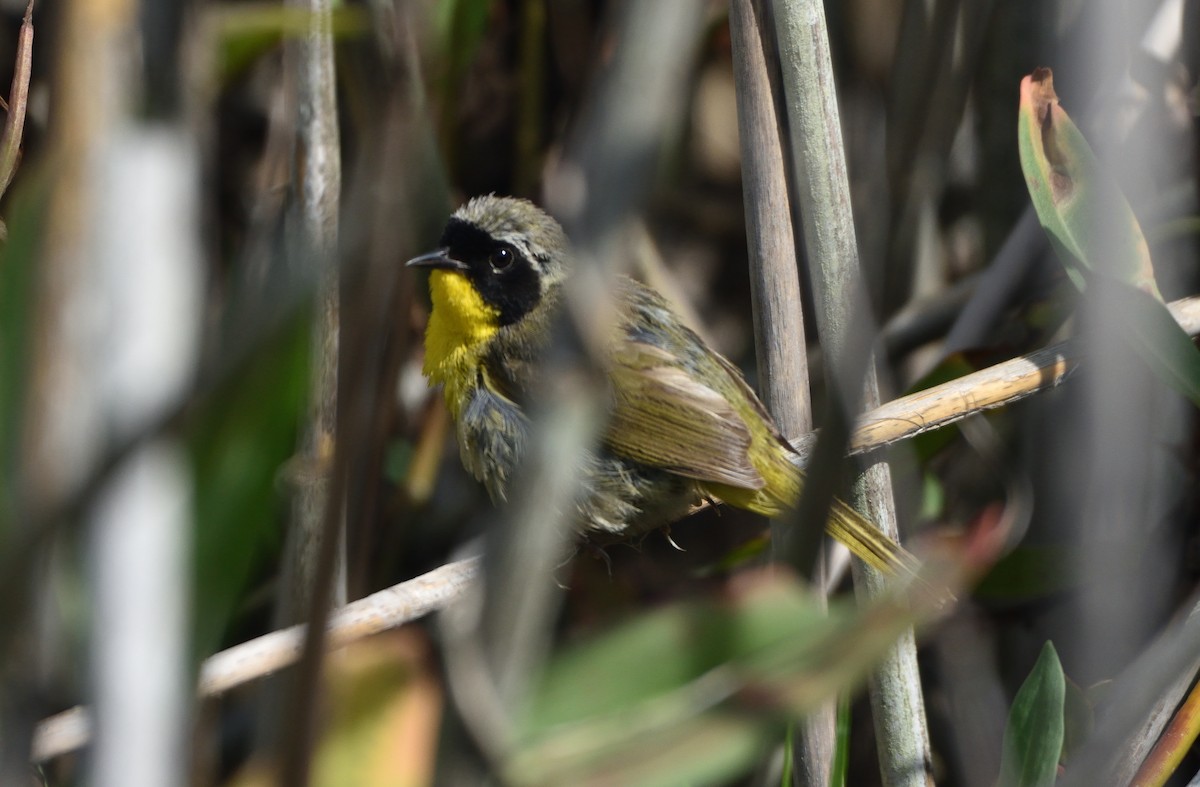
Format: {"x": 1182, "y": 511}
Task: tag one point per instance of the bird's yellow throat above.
{"x": 459, "y": 327}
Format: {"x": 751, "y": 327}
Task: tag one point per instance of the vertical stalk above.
{"x": 822, "y": 188}
{"x": 314, "y": 561}
{"x": 317, "y": 183}
{"x": 775, "y": 292}
{"x": 774, "y": 275}
{"x": 532, "y": 101}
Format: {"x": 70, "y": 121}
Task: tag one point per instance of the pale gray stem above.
{"x": 313, "y": 577}
{"x": 318, "y": 191}
{"x": 822, "y": 188}
{"x": 775, "y": 291}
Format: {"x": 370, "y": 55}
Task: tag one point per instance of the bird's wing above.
{"x": 664, "y": 417}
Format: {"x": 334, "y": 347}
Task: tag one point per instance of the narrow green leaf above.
{"x": 1082, "y": 209}
{"x": 1027, "y": 573}
{"x": 243, "y": 32}
{"x": 788, "y": 775}
{"x": 1154, "y": 335}
{"x": 18, "y": 277}
{"x": 460, "y": 27}
{"x": 1095, "y": 233}
{"x": 1033, "y": 737}
{"x": 841, "y": 755}
{"x": 240, "y": 439}
{"x": 660, "y": 651}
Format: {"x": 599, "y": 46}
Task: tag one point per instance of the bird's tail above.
{"x": 863, "y": 538}
{"x": 784, "y": 482}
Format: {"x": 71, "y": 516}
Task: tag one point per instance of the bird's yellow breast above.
{"x": 459, "y": 327}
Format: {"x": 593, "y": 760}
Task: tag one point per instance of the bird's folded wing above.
{"x": 663, "y": 417}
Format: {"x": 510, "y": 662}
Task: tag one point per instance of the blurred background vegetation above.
{"x": 440, "y": 100}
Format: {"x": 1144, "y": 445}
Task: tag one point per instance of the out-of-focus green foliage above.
{"x": 741, "y": 555}
{"x": 240, "y": 439}
{"x": 18, "y": 269}
{"x": 1033, "y": 738}
{"x": 1028, "y": 572}
{"x": 841, "y": 755}
{"x": 694, "y": 692}
{"x": 243, "y": 32}
{"x": 460, "y": 25}
{"x": 787, "y": 773}
{"x": 384, "y": 709}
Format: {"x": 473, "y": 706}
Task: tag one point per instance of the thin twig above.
{"x": 1135, "y": 704}
{"x": 1146, "y": 737}
{"x": 265, "y": 655}
{"x": 1175, "y": 742}
{"x": 987, "y": 389}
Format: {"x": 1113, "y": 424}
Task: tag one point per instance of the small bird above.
{"x": 684, "y": 425}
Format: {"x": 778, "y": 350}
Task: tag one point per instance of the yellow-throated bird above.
{"x": 684, "y": 424}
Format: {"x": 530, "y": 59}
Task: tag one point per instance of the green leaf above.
{"x": 841, "y": 754}
{"x": 787, "y": 774}
{"x": 737, "y": 557}
{"x": 642, "y": 658}
{"x": 1033, "y": 737}
{"x": 1154, "y": 335}
{"x": 1028, "y": 573}
{"x": 239, "y": 439}
{"x": 695, "y": 692}
{"x": 1085, "y": 214}
{"x": 1095, "y": 233}
{"x": 243, "y": 32}
{"x": 713, "y": 748}
{"x": 18, "y": 277}
{"x": 460, "y": 27}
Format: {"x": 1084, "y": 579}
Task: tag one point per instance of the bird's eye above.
{"x": 501, "y": 258}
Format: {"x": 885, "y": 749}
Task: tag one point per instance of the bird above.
{"x": 683, "y": 425}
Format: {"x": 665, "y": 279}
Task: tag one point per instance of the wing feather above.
{"x": 664, "y": 417}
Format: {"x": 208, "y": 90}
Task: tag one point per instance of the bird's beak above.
{"x": 436, "y": 259}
